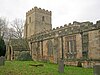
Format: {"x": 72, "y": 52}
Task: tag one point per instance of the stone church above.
{"x": 76, "y": 42}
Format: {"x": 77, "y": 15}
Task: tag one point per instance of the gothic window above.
{"x": 42, "y": 18}
{"x": 71, "y": 47}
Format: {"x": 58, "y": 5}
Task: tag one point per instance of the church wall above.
{"x": 94, "y": 44}
{"x": 47, "y": 46}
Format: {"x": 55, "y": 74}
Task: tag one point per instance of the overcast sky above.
{"x": 63, "y": 11}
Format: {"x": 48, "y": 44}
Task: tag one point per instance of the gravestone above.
{"x": 61, "y": 66}
{"x": 96, "y": 69}
{"x": 2, "y": 61}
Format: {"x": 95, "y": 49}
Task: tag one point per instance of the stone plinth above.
{"x": 96, "y": 69}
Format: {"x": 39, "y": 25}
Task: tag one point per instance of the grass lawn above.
{"x": 24, "y": 68}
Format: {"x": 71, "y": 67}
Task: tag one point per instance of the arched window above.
{"x": 42, "y": 18}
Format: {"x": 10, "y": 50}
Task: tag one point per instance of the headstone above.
{"x": 61, "y": 66}
{"x": 96, "y": 69}
{"x": 2, "y": 61}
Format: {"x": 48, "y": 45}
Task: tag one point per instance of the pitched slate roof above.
{"x": 19, "y": 44}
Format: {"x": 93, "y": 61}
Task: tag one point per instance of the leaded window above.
{"x": 71, "y": 47}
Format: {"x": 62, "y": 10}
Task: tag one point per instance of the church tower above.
{"x": 37, "y": 20}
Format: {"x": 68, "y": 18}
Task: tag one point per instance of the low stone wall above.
{"x": 2, "y": 61}
{"x": 84, "y": 64}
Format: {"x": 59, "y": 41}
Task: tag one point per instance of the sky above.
{"x": 63, "y": 11}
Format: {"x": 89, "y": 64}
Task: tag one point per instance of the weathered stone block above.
{"x": 2, "y": 61}
{"x": 61, "y": 66}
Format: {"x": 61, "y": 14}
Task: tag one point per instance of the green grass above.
{"x": 24, "y": 68}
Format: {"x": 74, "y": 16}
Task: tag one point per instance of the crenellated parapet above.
{"x": 98, "y": 24}
{"x": 81, "y": 25}
{"x": 70, "y": 29}
{"x": 36, "y": 9}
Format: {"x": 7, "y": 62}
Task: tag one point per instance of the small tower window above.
{"x": 29, "y": 19}
{"x": 42, "y": 18}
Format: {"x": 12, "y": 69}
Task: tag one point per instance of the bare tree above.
{"x": 3, "y": 26}
{"x": 11, "y": 33}
{"x": 18, "y": 26}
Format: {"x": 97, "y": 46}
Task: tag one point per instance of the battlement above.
{"x": 78, "y": 24}
{"x": 70, "y": 29}
{"x": 36, "y": 9}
